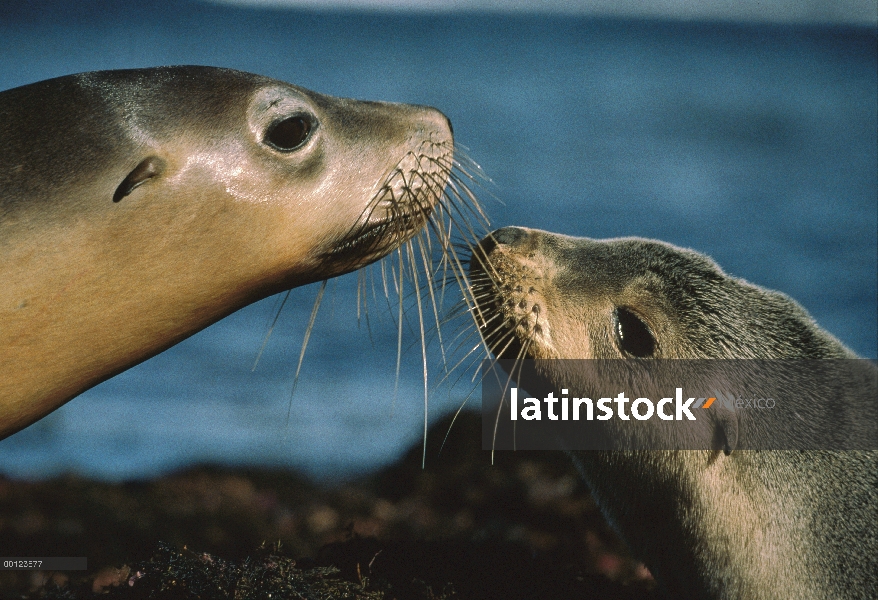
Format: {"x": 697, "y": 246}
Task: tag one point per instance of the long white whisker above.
{"x": 304, "y": 346}
{"x": 270, "y": 330}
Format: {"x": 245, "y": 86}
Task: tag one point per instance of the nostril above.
{"x": 509, "y": 236}
{"x": 486, "y": 245}
{"x": 432, "y": 121}
{"x": 482, "y": 251}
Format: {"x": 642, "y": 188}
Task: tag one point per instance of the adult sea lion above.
{"x": 140, "y": 206}
{"x": 719, "y": 522}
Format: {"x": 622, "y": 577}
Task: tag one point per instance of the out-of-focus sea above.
{"x": 755, "y": 144}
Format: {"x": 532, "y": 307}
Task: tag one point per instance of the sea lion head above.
{"x": 139, "y": 206}
{"x": 688, "y": 495}
{"x": 543, "y": 295}
{"x": 212, "y": 156}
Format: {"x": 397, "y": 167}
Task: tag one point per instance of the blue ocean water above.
{"x": 757, "y": 145}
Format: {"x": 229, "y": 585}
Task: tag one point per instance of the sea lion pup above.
{"x": 139, "y": 206}
{"x": 721, "y": 523}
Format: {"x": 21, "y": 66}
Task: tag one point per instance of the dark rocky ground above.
{"x": 524, "y": 527}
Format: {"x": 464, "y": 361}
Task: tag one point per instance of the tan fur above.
{"x": 95, "y": 280}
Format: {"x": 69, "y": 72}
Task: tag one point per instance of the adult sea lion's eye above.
{"x": 633, "y": 335}
{"x": 289, "y": 134}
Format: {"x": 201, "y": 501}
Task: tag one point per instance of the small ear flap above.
{"x": 148, "y": 167}
{"x": 728, "y": 424}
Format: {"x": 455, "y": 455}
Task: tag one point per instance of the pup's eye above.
{"x": 289, "y": 134}
{"x": 632, "y": 334}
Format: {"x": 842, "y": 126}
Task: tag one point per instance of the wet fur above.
{"x": 140, "y": 206}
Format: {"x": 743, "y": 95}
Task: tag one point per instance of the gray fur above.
{"x": 751, "y": 524}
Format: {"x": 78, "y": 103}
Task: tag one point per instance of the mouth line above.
{"x": 505, "y": 343}
{"x": 379, "y": 237}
